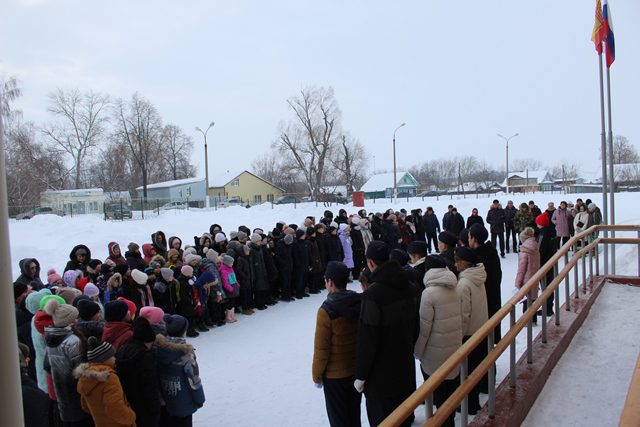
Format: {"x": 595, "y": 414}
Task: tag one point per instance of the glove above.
{"x": 399, "y": 240}
{"x": 191, "y": 282}
{"x": 318, "y": 385}
{"x": 359, "y": 385}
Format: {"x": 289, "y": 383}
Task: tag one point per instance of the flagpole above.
{"x": 612, "y": 186}
{"x": 604, "y": 167}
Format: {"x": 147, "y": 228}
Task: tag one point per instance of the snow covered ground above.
{"x": 592, "y": 378}
{"x": 258, "y": 370}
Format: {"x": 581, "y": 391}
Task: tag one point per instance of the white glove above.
{"x": 191, "y": 282}
{"x": 399, "y": 240}
{"x": 318, "y": 385}
{"x": 359, "y": 385}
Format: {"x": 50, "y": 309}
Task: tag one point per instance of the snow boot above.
{"x": 209, "y": 323}
{"x": 233, "y": 316}
{"x": 229, "y": 318}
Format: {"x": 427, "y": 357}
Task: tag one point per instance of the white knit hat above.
{"x": 139, "y": 277}
{"x": 220, "y": 237}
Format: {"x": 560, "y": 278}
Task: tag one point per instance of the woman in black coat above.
{"x": 333, "y": 246}
{"x": 79, "y": 259}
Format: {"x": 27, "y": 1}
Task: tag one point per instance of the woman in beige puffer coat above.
{"x": 473, "y": 298}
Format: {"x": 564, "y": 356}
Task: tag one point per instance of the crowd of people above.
{"x": 104, "y": 343}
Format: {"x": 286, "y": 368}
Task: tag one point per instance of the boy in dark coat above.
{"x": 314, "y": 276}
{"x": 242, "y": 267}
{"x": 259, "y": 277}
{"x": 510, "y": 226}
{"x": 301, "y": 262}
{"x": 284, "y": 261}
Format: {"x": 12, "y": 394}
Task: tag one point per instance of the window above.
{"x": 269, "y": 197}
{"x": 235, "y": 183}
{"x": 257, "y": 199}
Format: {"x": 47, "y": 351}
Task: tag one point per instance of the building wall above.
{"x": 80, "y": 201}
{"x": 247, "y": 188}
{"x": 194, "y": 190}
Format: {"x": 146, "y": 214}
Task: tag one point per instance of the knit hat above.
{"x": 166, "y": 273}
{"x": 188, "y": 251}
{"x": 231, "y": 252}
{"x": 288, "y": 239}
{"x": 434, "y": 261}
{"x": 242, "y": 235}
{"x": 212, "y": 255}
{"x": 417, "y": 247}
{"x": 187, "y": 271}
{"x": 526, "y": 234}
{"x": 176, "y": 325}
{"x": 133, "y": 247}
{"x": 344, "y": 226}
{"x": 478, "y": 232}
{"x": 69, "y": 278}
{"x": 591, "y": 206}
{"x": 53, "y": 277}
{"x": 467, "y": 254}
{"x": 32, "y": 302}
{"x": 130, "y": 305}
{"x": 44, "y": 300}
{"x": 18, "y": 289}
{"x": 300, "y": 232}
{"x": 355, "y": 220}
{"x": 139, "y": 277}
{"x": 255, "y": 238}
{"x": 68, "y": 294}
{"x": 220, "y": 237}
{"x": 378, "y": 252}
{"x": 115, "y": 311}
{"x": 227, "y": 260}
{"x": 121, "y": 269}
{"x": 152, "y": 314}
{"x": 87, "y": 309}
{"x": 399, "y": 255}
{"x": 94, "y": 263}
{"x": 79, "y": 298}
{"x": 289, "y": 231}
{"x": 142, "y": 330}
{"x": 338, "y": 272}
{"x": 464, "y": 236}
{"x": 542, "y": 220}
{"x": 206, "y": 277}
{"x": 192, "y": 257}
{"x": 233, "y": 234}
{"x": 62, "y": 314}
{"x": 235, "y": 245}
{"x": 448, "y": 238}
{"x": 99, "y": 351}
{"x": 91, "y": 290}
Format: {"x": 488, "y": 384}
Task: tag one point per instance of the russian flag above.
{"x": 609, "y": 40}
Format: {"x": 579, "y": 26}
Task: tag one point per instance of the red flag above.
{"x": 599, "y": 30}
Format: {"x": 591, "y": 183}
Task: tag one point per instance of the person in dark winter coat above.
{"x": 342, "y": 217}
{"x": 333, "y": 245}
{"x": 35, "y": 402}
{"x": 376, "y": 227}
{"x": 314, "y": 275}
{"x": 321, "y": 234}
{"x": 335, "y": 345}
{"x": 136, "y": 368}
{"x": 432, "y": 227}
{"x": 523, "y": 218}
{"x": 259, "y": 277}
{"x": 417, "y": 251}
{"x": 447, "y": 242}
{"x": 455, "y": 222}
{"x": 273, "y": 275}
{"x": 547, "y": 245}
{"x": 301, "y": 257}
{"x": 445, "y": 217}
{"x": 418, "y": 221}
{"x": 284, "y": 261}
{"x": 29, "y": 273}
{"x": 496, "y": 218}
{"x": 327, "y": 219}
{"x": 535, "y": 211}
{"x": 164, "y": 291}
{"x": 90, "y": 321}
{"x": 115, "y": 254}
{"x": 388, "y": 326}
{"x": 474, "y": 218}
{"x": 23, "y": 321}
{"x": 510, "y": 227}
{"x": 357, "y": 247}
{"x": 242, "y": 268}
{"x": 159, "y": 242}
{"x": 134, "y": 257}
{"x": 79, "y": 259}
{"x": 186, "y": 299}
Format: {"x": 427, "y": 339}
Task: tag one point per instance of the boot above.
{"x": 208, "y": 323}
{"x": 202, "y": 327}
{"x": 233, "y": 316}
{"x": 229, "y": 317}
{"x": 191, "y": 333}
{"x": 247, "y": 312}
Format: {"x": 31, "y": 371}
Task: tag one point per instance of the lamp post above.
{"x": 395, "y": 181}
{"x": 206, "y": 163}
{"x": 507, "y": 139}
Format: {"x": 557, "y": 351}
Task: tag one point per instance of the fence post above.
{"x": 567, "y": 292}
{"x": 429, "y": 406}
{"x": 529, "y": 332}
{"x": 575, "y": 273}
{"x": 142, "y": 204}
{"x": 121, "y": 211}
{"x": 492, "y": 379}
{"x": 512, "y": 367}
{"x": 544, "y": 311}
{"x": 104, "y": 210}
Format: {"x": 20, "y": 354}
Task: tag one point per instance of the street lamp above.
{"x": 507, "y": 139}
{"x": 206, "y": 162}
{"x": 395, "y": 181}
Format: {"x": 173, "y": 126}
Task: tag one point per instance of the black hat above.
{"x": 467, "y": 254}
{"x": 294, "y": 226}
{"x": 121, "y": 268}
{"x": 175, "y": 324}
{"x": 338, "y": 272}
{"x": 87, "y": 309}
{"x": 300, "y": 232}
{"x": 328, "y": 214}
{"x": 79, "y": 298}
{"x": 448, "y": 238}
{"x": 311, "y": 231}
{"x": 399, "y": 255}
{"x": 464, "y": 236}
{"x": 276, "y": 233}
{"x": 479, "y": 232}
{"x": 142, "y": 330}
{"x": 99, "y": 351}
{"x": 496, "y": 201}
{"x": 378, "y": 252}
{"x": 417, "y": 247}
{"x": 434, "y": 261}
{"x": 19, "y": 289}
{"x": 94, "y": 263}
{"x": 115, "y": 311}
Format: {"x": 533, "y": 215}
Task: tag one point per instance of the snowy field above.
{"x": 258, "y": 370}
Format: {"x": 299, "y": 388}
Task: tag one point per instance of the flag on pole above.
{"x": 609, "y": 39}
{"x": 599, "y": 31}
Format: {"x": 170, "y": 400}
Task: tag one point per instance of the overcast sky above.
{"x": 457, "y": 72}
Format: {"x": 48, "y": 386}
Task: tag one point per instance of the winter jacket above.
{"x": 376, "y": 229}
{"x": 35, "y": 404}
{"x": 178, "y": 376}
{"x": 242, "y": 267}
{"x": 164, "y": 294}
{"x": 229, "y": 281}
{"x": 159, "y": 242}
{"x": 367, "y": 237}
{"x": 357, "y": 243}
{"x": 136, "y": 368}
{"x": 449, "y": 257}
{"x": 117, "y": 333}
{"x": 455, "y": 224}
{"x": 440, "y": 321}
{"x": 431, "y": 223}
{"x": 445, "y": 218}
{"x": 73, "y": 263}
{"x": 258, "y": 268}
{"x": 117, "y": 259}
{"x": 64, "y": 354}
{"x": 496, "y": 218}
{"x": 40, "y": 321}
{"x": 510, "y": 216}
{"x": 474, "y": 219}
{"x": 473, "y": 298}
{"x": 392, "y": 235}
{"x": 386, "y": 333}
{"x": 595, "y": 217}
{"x": 140, "y": 295}
{"x": 420, "y": 227}
{"x": 216, "y": 287}
{"x": 523, "y": 219}
{"x": 283, "y": 258}
{"x": 26, "y": 277}
{"x": 335, "y": 252}
{"x": 336, "y": 336}
{"x": 315, "y": 260}
{"x": 581, "y": 217}
{"x": 528, "y": 264}
{"x": 32, "y": 303}
{"x": 561, "y": 218}
{"x": 135, "y": 261}
{"x": 147, "y": 253}
{"x": 301, "y": 255}
{"x": 322, "y": 248}
{"x": 345, "y": 240}
{"x": 489, "y": 257}
{"x": 420, "y": 271}
{"x": 270, "y": 263}
{"x": 405, "y": 232}
{"x": 91, "y": 328}
{"x": 547, "y": 244}
{"x": 186, "y": 297}
{"x": 102, "y": 395}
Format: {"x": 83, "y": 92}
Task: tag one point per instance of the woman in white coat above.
{"x": 475, "y": 312}
{"x": 581, "y": 220}
{"x": 440, "y": 327}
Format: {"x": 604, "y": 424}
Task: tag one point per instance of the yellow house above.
{"x": 244, "y": 185}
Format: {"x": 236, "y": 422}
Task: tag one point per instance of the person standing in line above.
{"x": 455, "y": 222}
{"x": 388, "y": 327}
{"x": 474, "y": 218}
{"x": 561, "y": 218}
{"x": 547, "y": 245}
{"x": 496, "y": 218}
{"x": 445, "y": 217}
{"x": 528, "y": 265}
{"x": 432, "y": 227}
{"x": 335, "y": 344}
{"x": 509, "y": 226}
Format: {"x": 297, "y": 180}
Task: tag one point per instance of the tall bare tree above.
{"x": 176, "y": 152}
{"x": 308, "y": 139}
{"x": 521, "y": 165}
{"x": 349, "y": 159}
{"x": 272, "y": 167}
{"x": 80, "y": 125}
{"x": 624, "y": 152}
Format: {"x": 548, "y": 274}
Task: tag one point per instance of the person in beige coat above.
{"x": 440, "y": 327}
{"x": 475, "y": 312}
{"x": 528, "y": 265}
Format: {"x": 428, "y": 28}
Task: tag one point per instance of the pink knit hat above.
{"x": 187, "y": 271}
{"x": 152, "y": 314}
{"x": 53, "y": 277}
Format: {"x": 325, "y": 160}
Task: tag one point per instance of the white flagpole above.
{"x": 604, "y": 167}
{"x": 612, "y": 186}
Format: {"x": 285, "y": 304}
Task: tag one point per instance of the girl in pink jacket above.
{"x": 528, "y": 265}
{"x": 231, "y": 287}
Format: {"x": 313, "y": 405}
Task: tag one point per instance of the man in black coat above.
{"x": 418, "y": 222}
{"x": 432, "y": 227}
{"x": 385, "y": 366}
{"x": 301, "y": 261}
{"x": 376, "y": 227}
{"x": 496, "y": 218}
{"x": 357, "y": 245}
{"x": 285, "y": 266}
{"x": 447, "y": 242}
{"x": 509, "y": 224}
{"x": 455, "y": 222}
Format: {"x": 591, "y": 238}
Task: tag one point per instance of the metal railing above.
{"x": 588, "y": 241}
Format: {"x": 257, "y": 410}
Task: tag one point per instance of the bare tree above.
{"x": 272, "y": 167}
{"x": 521, "y": 165}
{"x": 308, "y": 139}
{"x": 9, "y": 91}
{"x": 176, "y": 152}
{"x": 80, "y": 126}
{"x": 139, "y": 127}
{"x": 349, "y": 159}
{"x": 624, "y": 152}
{"x": 486, "y": 174}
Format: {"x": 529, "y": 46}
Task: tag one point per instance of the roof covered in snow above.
{"x": 383, "y": 181}
{"x": 174, "y": 183}
{"x": 228, "y": 176}
{"x": 539, "y": 176}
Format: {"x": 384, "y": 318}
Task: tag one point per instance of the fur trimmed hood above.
{"x": 112, "y": 280}
{"x": 173, "y": 344}
{"x": 93, "y": 371}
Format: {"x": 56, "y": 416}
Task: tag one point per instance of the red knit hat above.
{"x": 542, "y": 220}
{"x": 131, "y": 305}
